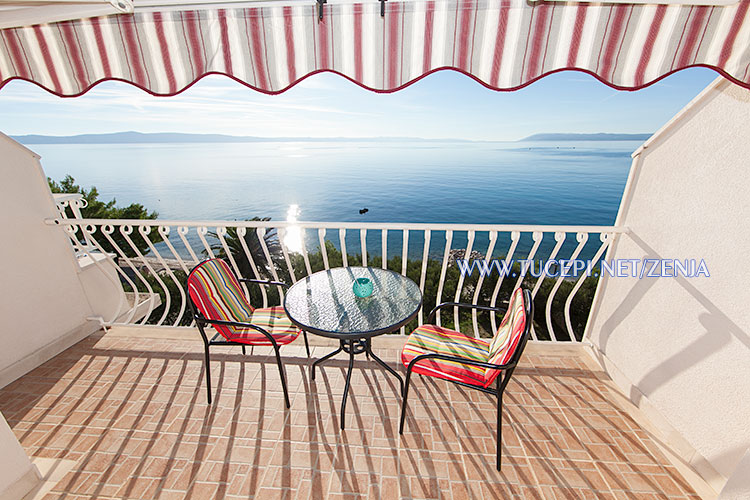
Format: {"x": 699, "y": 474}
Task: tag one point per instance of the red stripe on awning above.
{"x": 323, "y": 41}
{"x": 48, "y": 62}
{"x": 258, "y": 47}
{"x": 511, "y": 49}
{"x": 100, "y": 47}
{"x": 136, "y": 67}
{"x": 620, "y": 15}
{"x": 497, "y": 57}
{"x": 429, "y": 19}
{"x": 226, "y": 51}
{"x": 72, "y": 49}
{"x": 195, "y": 47}
{"x": 731, "y": 37}
{"x": 289, "y": 41}
{"x": 653, "y": 32}
{"x": 164, "y": 50}
{"x": 575, "y": 40}
{"x": 466, "y": 33}
{"x": 16, "y": 55}
{"x": 358, "y": 63}
{"x": 537, "y": 39}
{"x": 691, "y": 36}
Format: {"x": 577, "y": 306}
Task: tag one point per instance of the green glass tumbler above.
{"x": 362, "y": 287}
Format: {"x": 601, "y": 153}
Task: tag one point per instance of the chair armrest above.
{"x": 240, "y": 324}
{"x": 264, "y": 282}
{"x": 237, "y": 324}
{"x": 460, "y": 304}
{"x": 457, "y": 359}
{"x": 465, "y": 361}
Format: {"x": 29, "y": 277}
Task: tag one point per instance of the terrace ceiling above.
{"x": 503, "y": 44}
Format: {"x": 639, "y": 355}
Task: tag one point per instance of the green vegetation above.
{"x": 252, "y": 242}
{"x": 97, "y": 209}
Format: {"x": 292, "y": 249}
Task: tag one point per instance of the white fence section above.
{"x": 153, "y": 258}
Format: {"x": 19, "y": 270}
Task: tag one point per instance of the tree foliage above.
{"x": 255, "y": 249}
{"x": 98, "y": 209}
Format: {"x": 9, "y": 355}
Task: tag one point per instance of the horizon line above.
{"x": 134, "y": 135}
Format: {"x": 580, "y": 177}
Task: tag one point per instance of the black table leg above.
{"x": 355, "y": 346}
{"x": 346, "y": 386}
{"x": 384, "y": 365}
{"x": 327, "y": 356}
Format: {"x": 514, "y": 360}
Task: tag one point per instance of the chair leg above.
{"x": 403, "y": 403}
{"x": 283, "y": 377}
{"x": 307, "y": 346}
{"x": 499, "y": 422}
{"x": 208, "y": 374}
{"x": 243, "y": 349}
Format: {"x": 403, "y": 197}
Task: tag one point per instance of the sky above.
{"x": 445, "y": 104}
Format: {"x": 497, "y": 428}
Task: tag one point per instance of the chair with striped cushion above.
{"x": 217, "y": 300}
{"x": 468, "y": 361}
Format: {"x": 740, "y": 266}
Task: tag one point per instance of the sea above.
{"x": 559, "y": 183}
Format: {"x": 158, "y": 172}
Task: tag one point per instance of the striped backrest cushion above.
{"x": 509, "y": 334}
{"x": 216, "y": 293}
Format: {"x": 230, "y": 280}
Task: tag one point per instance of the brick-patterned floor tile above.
{"x": 133, "y": 415}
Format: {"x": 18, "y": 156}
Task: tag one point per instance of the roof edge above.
{"x": 710, "y": 92}
{"x": 19, "y": 145}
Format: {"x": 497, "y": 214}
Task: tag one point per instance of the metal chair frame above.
{"x": 503, "y": 377}
{"x": 201, "y": 322}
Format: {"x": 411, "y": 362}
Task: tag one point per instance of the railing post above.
{"x": 143, "y": 267}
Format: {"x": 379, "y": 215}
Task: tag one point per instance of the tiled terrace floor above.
{"x": 132, "y": 414}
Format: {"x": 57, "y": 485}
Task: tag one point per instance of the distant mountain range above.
{"x": 587, "y": 137}
{"x": 169, "y": 137}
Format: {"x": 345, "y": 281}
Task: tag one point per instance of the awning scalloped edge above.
{"x": 270, "y": 49}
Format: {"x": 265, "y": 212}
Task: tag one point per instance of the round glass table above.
{"x": 324, "y": 303}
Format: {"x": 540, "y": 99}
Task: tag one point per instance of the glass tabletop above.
{"x": 324, "y": 303}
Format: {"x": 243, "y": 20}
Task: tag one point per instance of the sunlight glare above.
{"x": 293, "y": 236}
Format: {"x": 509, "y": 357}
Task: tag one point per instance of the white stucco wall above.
{"x": 681, "y": 346}
{"x": 18, "y": 475}
{"x": 43, "y": 300}
{"x": 47, "y": 300}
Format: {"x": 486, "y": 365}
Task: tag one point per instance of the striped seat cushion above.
{"x": 432, "y": 339}
{"x": 429, "y": 339}
{"x": 273, "y": 320}
{"x": 216, "y": 293}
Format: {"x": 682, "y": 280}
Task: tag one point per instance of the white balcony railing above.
{"x": 69, "y": 205}
{"x": 153, "y": 258}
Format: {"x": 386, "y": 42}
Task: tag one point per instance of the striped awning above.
{"x": 502, "y": 44}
